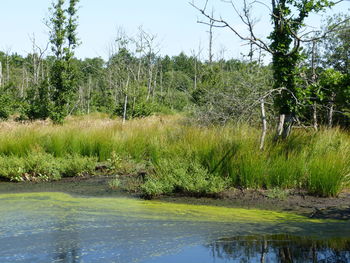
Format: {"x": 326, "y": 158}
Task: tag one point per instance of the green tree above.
{"x": 63, "y": 72}
{"x": 288, "y": 18}
{"x": 337, "y": 44}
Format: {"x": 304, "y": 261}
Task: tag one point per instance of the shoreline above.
{"x": 297, "y": 202}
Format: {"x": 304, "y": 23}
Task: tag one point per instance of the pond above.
{"x": 58, "y": 227}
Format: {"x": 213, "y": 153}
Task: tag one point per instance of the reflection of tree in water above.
{"x": 281, "y": 248}
{"x": 66, "y": 239}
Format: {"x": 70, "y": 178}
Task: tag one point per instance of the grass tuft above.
{"x": 177, "y": 157}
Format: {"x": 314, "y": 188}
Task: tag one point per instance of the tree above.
{"x": 337, "y": 45}
{"x": 63, "y": 40}
{"x": 335, "y": 92}
{"x": 284, "y": 45}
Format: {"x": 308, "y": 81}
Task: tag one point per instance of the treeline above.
{"x": 136, "y": 81}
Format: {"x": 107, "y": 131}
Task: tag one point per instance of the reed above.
{"x": 181, "y": 156}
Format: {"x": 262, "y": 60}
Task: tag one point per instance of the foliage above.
{"x": 114, "y": 184}
{"x": 337, "y": 44}
{"x": 5, "y": 106}
{"x": 39, "y": 103}
{"x": 182, "y": 176}
{"x": 63, "y": 73}
{"x": 177, "y": 157}
{"x": 288, "y": 18}
{"x": 43, "y": 167}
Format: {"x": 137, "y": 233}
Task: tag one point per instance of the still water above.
{"x": 57, "y": 227}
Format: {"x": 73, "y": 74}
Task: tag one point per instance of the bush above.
{"x": 77, "y": 166}
{"x": 182, "y": 176}
{"x": 5, "y": 106}
{"x": 44, "y": 167}
{"x": 139, "y": 110}
{"x": 114, "y": 184}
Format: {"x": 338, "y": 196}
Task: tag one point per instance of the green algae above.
{"x": 50, "y": 224}
{"x": 143, "y": 209}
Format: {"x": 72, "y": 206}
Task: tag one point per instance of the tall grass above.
{"x": 215, "y": 157}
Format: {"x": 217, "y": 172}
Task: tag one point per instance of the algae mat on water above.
{"x": 45, "y": 227}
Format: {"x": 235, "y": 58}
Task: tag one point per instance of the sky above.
{"x": 174, "y": 22}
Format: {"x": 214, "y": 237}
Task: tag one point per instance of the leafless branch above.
{"x": 245, "y": 18}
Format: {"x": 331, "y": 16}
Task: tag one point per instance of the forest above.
{"x": 197, "y": 124}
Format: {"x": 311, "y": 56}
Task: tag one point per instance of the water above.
{"x": 56, "y": 227}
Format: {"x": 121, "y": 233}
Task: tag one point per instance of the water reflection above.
{"x": 280, "y": 248}
{"x": 66, "y": 239}
{"x": 59, "y": 228}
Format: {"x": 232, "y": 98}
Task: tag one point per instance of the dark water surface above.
{"x": 56, "y": 227}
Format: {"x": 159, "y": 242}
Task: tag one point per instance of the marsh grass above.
{"x": 178, "y": 157}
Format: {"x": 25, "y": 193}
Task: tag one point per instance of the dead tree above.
{"x": 313, "y": 81}
{"x": 0, "y": 74}
{"x": 264, "y": 124}
{"x": 286, "y": 29}
{"x": 211, "y": 25}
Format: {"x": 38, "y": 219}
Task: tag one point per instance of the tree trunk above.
{"x": 331, "y": 111}
{"x": 315, "y": 116}
{"x": 126, "y": 99}
{"x": 287, "y": 127}
{"x": 280, "y": 126}
{"x": 0, "y": 74}
{"x": 125, "y": 107}
{"x": 7, "y": 69}
{"x": 211, "y": 25}
{"x": 263, "y": 252}
{"x": 150, "y": 78}
{"x": 264, "y": 124}
{"x": 89, "y": 95}
{"x": 285, "y": 124}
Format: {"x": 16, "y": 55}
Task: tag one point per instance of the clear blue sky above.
{"x": 173, "y": 21}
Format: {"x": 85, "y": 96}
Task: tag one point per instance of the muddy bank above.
{"x": 291, "y": 201}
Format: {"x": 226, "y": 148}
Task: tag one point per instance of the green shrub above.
{"x": 183, "y": 176}
{"x": 12, "y": 168}
{"x": 77, "y": 166}
{"x": 44, "y": 167}
{"x": 5, "y": 106}
{"x": 114, "y": 184}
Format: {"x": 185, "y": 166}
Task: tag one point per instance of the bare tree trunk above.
{"x": 0, "y": 74}
{"x": 150, "y": 78}
{"x": 161, "y": 81}
{"x": 331, "y": 111}
{"x": 313, "y": 79}
{"x": 35, "y": 73}
{"x": 154, "y": 85}
{"x": 7, "y": 69}
{"x": 195, "y": 74}
{"x": 126, "y": 99}
{"x": 24, "y": 79}
{"x": 251, "y": 52}
{"x": 125, "y": 107}
{"x": 280, "y": 126}
{"x": 285, "y": 124}
{"x": 89, "y": 95}
{"x": 314, "y": 115}
{"x": 263, "y": 252}
{"x": 264, "y": 124}
{"x": 288, "y": 124}
{"x": 211, "y": 25}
